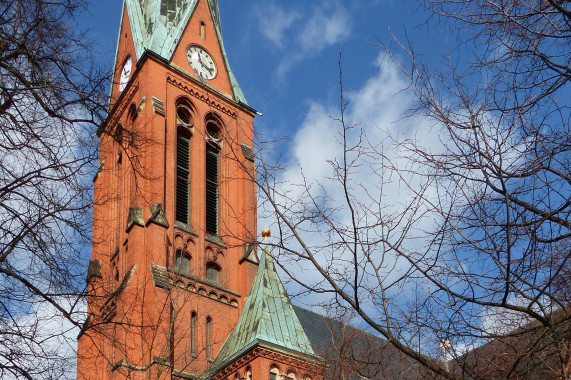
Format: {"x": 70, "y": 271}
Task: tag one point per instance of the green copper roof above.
{"x": 158, "y": 25}
{"x": 268, "y": 318}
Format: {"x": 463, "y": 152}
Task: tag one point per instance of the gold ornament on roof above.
{"x": 266, "y": 233}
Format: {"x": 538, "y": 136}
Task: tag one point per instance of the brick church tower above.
{"x": 173, "y": 256}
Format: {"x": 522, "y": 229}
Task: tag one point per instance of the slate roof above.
{"x": 268, "y": 319}
{"x": 158, "y": 25}
{"x": 530, "y": 352}
{"x": 352, "y": 353}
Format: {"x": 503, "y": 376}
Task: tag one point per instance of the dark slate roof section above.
{"x": 353, "y": 353}
{"x": 316, "y": 327}
{"x": 531, "y": 351}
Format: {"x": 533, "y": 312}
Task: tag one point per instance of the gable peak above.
{"x": 268, "y": 318}
{"x": 158, "y": 26}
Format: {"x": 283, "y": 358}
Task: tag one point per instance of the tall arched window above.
{"x": 184, "y": 125}
{"x": 193, "y": 334}
{"x": 208, "y": 338}
{"x": 212, "y": 149}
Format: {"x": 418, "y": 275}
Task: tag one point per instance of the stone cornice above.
{"x": 202, "y": 96}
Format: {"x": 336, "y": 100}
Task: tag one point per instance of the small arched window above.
{"x": 133, "y": 113}
{"x": 274, "y": 372}
{"x": 115, "y": 269}
{"x": 183, "y": 260}
{"x": 119, "y": 134}
{"x": 213, "y": 272}
{"x": 202, "y": 30}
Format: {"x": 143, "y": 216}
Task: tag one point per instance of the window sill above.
{"x": 215, "y": 239}
{"x": 204, "y": 281}
{"x": 185, "y": 227}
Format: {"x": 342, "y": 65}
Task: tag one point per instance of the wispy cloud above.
{"x": 327, "y": 26}
{"x": 300, "y": 36}
{"x": 275, "y": 22}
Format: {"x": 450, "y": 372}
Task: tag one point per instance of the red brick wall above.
{"x": 147, "y": 322}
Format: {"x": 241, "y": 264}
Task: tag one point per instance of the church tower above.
{"x": 174, "y": 218}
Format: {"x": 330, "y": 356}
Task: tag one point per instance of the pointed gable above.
{"x": 158, "y": 26}
{"x": 268, "y": 318}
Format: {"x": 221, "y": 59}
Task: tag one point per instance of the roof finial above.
{"x": 266, "y": 232}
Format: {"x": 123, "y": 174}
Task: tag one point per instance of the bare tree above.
{"x": 51, "y": 100}
{"x": 476, "y": 250}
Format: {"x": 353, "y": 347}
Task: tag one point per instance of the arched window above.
{"x": 184, "y": 116}
{"x": 213, "y": 271}
{"x": 212, "y": 150}
{"x": 119, "y": 134}
{"x": 193, "y": 333}
{"x": 208, "y": 338}
{"x": 115, "y": 269}
{"x": 182, "y": 260}
{"x": 202, "y": 30}
{"x": 133, "y": 113}
{"x": 184, "y": 124}
{"x": 248, "y": 373}
{"x": 274, "y": 372}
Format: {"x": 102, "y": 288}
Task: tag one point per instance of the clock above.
{"x": 201, "y": 62}
{"x": 125, "y": 73}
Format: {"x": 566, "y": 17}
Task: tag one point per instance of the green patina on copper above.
{"x": 158, "y": 25}
{"x": 268, "y": 319}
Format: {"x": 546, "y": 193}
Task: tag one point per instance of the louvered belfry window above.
{"x": 212, "y": 150}
{"x": 211, "y": 189}
{"x": 182, "y": 177}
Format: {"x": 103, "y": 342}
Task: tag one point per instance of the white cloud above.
{"x": 275, "y": 22}
{"x": 376, "y": 112}
{"x": 325, "y": 27}
{"x": 302, "y": 36}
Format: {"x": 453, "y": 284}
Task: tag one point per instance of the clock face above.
{"x": 125, "y": 73}
{"x": 201, "y": 62}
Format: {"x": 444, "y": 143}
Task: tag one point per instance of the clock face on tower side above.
{"x": 201, "y": 62}
{"x": 125, "y": 73}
